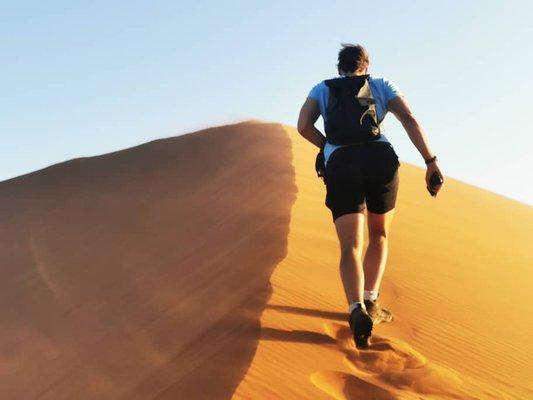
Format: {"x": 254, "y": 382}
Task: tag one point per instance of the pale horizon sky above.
{"x": 90, "y": 78}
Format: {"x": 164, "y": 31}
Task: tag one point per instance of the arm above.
{"x": 399, "y": 107}
{"x": 306, "y": 123}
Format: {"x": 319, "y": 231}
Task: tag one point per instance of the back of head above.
{"x": 352, "y": 58}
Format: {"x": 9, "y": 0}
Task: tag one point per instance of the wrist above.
{"x": 430, "y": 160}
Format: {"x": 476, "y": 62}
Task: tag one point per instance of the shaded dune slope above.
{"x": 130, "y": 275}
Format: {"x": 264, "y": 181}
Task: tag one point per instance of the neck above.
{"x": 357, "y": 73}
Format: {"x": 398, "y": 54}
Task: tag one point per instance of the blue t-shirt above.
{"x": 383, "y": 91}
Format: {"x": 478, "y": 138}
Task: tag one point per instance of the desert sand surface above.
{"x": 205, "y": 266}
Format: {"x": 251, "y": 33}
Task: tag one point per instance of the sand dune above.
{"x": 205, "y": 267}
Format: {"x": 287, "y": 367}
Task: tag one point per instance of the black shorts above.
{"x": 362, "y": 173}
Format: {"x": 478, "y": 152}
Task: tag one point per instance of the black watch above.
{"x": 430, "y": 160}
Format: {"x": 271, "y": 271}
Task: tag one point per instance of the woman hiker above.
{"x": 360, "y": 167}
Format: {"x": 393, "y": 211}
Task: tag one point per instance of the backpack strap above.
{"x": 355, "y": 81}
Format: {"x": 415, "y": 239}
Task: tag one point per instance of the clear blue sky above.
{"x": 86, "y": 78}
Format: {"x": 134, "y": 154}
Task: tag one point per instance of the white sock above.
{"x": 371, "y": 295}
{"x": 354, "y": 305}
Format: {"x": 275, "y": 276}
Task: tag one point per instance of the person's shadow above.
{"x": 312, "y": 312}
{"x": 300, "y": 336}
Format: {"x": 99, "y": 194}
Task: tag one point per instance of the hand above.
{"x": 319, "y": 165}
{"x": 431, "y": 168}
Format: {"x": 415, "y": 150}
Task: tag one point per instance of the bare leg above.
{"x": 377, "y": 251}
{"x": 350, "y": 229}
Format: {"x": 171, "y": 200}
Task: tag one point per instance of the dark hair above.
{"x": 352, "y": 57}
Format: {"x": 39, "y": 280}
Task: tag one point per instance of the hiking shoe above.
{"x": 377, "y": 313}
{"x": 361, "y": 326}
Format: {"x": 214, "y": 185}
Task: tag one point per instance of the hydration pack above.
{"x": 351, "y": 116}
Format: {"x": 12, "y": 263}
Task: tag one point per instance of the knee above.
{"x": 351, "y": 251}
{"x": 378, "y": 236}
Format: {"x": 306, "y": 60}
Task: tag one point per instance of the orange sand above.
{"x": 205, "y": 267}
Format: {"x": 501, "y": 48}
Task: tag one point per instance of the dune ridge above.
{"x": 205, "y": 267}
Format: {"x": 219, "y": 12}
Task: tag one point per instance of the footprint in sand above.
{"x": 341, "y": 385}
{"x": 388, "y": 369}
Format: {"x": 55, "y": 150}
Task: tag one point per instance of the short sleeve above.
{"x": 315, "y": 92}
{"x": 390, "y": 90}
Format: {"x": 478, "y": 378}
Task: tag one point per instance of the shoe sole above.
{"x": 379, "y": 319}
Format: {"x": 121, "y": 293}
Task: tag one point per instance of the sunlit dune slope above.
{"x": 205, "y": 267}
{"x": 458, "y": 281}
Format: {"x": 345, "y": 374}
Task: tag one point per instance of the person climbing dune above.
{"x": 360, "y": 169}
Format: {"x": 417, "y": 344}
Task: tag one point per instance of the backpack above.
{"x": 351, "y": 116}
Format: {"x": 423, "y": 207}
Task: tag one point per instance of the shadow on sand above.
{"x": 312, "y": 312}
